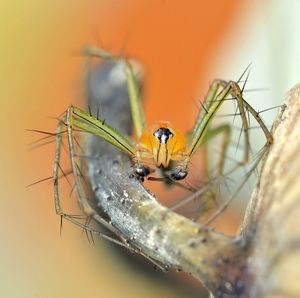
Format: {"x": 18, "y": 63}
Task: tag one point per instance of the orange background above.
{"x": 40, "y": 76}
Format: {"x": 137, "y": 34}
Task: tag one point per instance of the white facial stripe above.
{"x": 164, "y": 139}
{"x": 163, "y": 135}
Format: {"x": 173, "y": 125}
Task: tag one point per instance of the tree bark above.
{"x": 273, "y": 215}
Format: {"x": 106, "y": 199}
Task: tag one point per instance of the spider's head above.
{"x": 163, "y": 143}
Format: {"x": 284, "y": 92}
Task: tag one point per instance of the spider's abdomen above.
{"x": 163, "y": 143}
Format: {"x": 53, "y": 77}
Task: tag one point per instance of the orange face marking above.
{"x": 163, "y": 143}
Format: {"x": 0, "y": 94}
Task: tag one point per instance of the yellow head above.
{"x": 163, "y": 143}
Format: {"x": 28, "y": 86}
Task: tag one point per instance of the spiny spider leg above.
{"x": 137, "y": 111}
{"x": 82, "y": 200}
{"x": 213, "y": 106}
{"x": 213, "y": 102}
{"x": 224, "y": 129}
{"x": 201, "y": 133}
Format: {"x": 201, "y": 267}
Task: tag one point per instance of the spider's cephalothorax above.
{"x": 162, "y": 144}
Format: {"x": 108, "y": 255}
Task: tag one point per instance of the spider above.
{"x": 159, "y": 146}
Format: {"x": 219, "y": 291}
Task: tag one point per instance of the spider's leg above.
{"x": 214, "y": 179}
{"x": 99, "y": 128}
{"x": 228, "y": 88}
{"x": 56, "y": 175}
{"x": 237, "y": 94}
{"x": 203, "y": 124}
{"x": 137, "y": 110}
{"x": 75, "y": 118}
{"x": 259, "y": 120}
{"x": 216, "y": 99}
{"x": 211, "y": 95}
{"x": 214, "y": 132}
{"x": 80, "y": 119}
{"x": 132, "y": 80}
{"x": 56, "y": 166}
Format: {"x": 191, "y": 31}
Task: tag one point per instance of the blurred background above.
{"x": 183, "y": 47}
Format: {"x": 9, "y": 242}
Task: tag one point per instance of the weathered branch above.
{"x": 228, "y": 267}
{"x": 273, "y": 216}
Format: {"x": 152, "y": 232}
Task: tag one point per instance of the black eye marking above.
{"x": 163, "y": 134}
{"x": 178, "y": 174}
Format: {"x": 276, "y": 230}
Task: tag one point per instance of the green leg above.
{"x": 83, "y": 202}
{"x": 202, "y": 125}
{"x": 213, "y": 103}
{"x": 214, "y": 132}
{"x": 137, "y": 110}
{"x": 218, "y": 93}
{"x": 214, "y": 179}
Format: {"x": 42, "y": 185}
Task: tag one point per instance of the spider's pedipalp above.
{"x": 141, "y": 171}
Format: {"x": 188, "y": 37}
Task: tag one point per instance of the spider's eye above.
{"x": 178, "y": 174}
{"x": 142, "y": 171}
{"x": 163, "y": 134}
